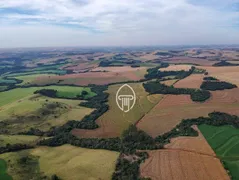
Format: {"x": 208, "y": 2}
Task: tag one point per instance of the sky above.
{"x": 53, "y": 23}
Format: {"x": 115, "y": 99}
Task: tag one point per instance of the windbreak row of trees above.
{"x": 155, "y": 87}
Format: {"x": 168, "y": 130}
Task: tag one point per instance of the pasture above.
{"x": 69, "y": 162}
{"x": 35, "y": 112}
{"x": 19, "y": 93}
{"x": 17, "y": 139}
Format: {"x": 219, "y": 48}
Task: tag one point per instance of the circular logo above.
{"x": 125, "y": 100}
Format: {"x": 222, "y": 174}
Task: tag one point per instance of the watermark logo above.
{"x": 125, "y": 98}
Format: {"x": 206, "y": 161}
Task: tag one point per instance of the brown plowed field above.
{"x": 229, "y": 74}
{"x": 176, "y": 68}
{"x": 99, "y": 78}
{"x": 173, "y": 108}
{"x": 196, "y": 144}
{"x": 119, "y": 69}
{"x": 192, "y": 81}
{"x": 81, "y": 67}
{"x": 184, "y": 60}
{"x": 182, "y": 165}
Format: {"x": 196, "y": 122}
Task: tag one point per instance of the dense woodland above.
{"x": 155, "y": 87}
{"x": 225, "y": 63}
{"x": 217, "y": 85}
{"x": 155, "y": 73}
{"x": 53, "y": 94}
{"x": 209, "y": 78}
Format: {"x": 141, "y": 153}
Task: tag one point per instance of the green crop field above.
{"x": 224, "y": 140}
{"x": 19, "y": 93}
{"x": 3, "y": 171}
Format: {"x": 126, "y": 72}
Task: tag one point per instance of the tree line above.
{"x": 155, "y": 87}
{"x": 217, "y": 85}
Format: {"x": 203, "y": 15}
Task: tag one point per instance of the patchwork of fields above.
{"x": 59, "y": 118}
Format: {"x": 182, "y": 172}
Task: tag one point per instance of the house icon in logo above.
{"x": 125, "y": 98}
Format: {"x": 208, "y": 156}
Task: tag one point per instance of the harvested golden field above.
{"x": 189, "y": 60}
{"x": 191, "y": 144}
{"x": 114, "y": 121}
{"x": 99, "y": 78}
{"x": 181, "y": 165}
{"x": 148, "y": 57}
{"x": 192, "y": 81}
{"x": 229, "y": 74}
{"x": 176, "y": 68}
{"x": 74, "y": 163}
{"x": 169, "y": 82}
{"x": 173, "y": 108}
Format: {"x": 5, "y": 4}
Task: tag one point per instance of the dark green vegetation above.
{"x": 225, "y": 63}
{"x": 14, "y": 147}
{"x": 132, "y": 140}
{"x": 155, "y": 73}
{"x": 155, "y": 87}
{"x": 129, "y": 169}
{"x": 3, "y": 171}
{"x": 216, "y": 85}
{"x": 210, "y": 78}
{"x": 82, "y": 95}
{"x": 113, "y": 63}
{"x": 224, "y": 141}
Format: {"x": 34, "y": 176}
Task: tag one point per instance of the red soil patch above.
{"x": 106, "y": 129}
{"x": 192, "y": 81}
{"x": 183, "y": 60}
{"x": 173, "y": 108}
{"x": 181, "y": 165}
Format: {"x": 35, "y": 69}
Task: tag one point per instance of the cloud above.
{"x": 124, "y": 22}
